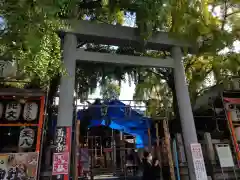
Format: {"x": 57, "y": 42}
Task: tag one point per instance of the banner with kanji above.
{"x": 60, "y": 163}
{"x": 63, "y": 139}
{"x": 61, "y": 157}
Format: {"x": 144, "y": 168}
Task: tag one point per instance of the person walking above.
{"x": 156, "y": 169}
{"x": 147, "y": 166}
{"x": 130, "y": 162}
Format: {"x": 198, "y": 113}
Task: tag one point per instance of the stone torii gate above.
{"x": 125, "y": 36}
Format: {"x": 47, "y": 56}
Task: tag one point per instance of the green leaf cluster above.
{"x": 28, "y": 36}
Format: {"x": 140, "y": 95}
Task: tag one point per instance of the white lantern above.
{"x": 30, "y": 111}
{"x": 229, "y": 107}
{"x": 1, "y": 110}
{"x": 26, "y": 138}
{"x": 13, "y": 110}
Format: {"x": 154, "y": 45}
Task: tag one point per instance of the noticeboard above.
{"x": 198, "y": 161}
{"x": 224, "y": 155}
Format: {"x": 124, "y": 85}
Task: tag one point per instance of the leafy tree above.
{"x": 156, "y": 93}
{"x": 212, "y": 35}
{"x": 110, "y": 90}
{"x": 30, "y": 39}
{"x": 28, "y": 35}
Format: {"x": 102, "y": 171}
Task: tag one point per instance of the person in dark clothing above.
{"x": 130, "y": 157}
{"x": 156, "y": 169}
{"x": 137, "y": 162}
{"x": 147, "y": 167}
{"x": 166, "y": 172}
{"x": 130, "y": 162}
{"x": 134, "y": 161}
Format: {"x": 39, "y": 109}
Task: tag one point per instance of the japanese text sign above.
{"x": 60, "y": 163}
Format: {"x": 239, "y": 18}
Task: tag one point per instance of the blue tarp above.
{"x": 123, "y": 118}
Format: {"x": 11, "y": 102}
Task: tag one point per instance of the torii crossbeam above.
{"x": 125, "y": 36}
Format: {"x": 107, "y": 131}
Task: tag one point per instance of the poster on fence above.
{"x": 198, "y": 161}
{"x": 19, "y": 165}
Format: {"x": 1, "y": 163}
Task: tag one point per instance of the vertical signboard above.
{"x": 61, "y": 157}
{"x": 60, "y": 139}
{"x": 198, "y": 161}
{"x": 60, "y": 163}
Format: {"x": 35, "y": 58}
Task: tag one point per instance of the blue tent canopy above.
{"x": 122, "y": 118}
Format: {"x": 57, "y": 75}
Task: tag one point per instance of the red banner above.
{"x": 60, "y": 163}
{"x": 61, "y": 159}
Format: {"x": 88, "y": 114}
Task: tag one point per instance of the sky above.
{"x": 127, "y": 91}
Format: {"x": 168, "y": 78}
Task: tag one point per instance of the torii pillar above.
{"x": 106, "y": 34}
{"x": 66, "y": 94}
{"x": 185, "y": 108}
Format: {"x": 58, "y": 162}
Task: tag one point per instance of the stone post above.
{"x": 66, "y": 95}
{"x": 185, "y": 108}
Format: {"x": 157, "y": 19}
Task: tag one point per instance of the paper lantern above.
{"x": 13, "y": 110}
{"x": 30, "y": 111}
{"x": 26, "y": 138}
{"x": 235, "y": 115}
{"x": 229, "y": 107}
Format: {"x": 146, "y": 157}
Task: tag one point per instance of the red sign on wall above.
{"x": 107, "y": 150}
{"x": 60, "y": 163}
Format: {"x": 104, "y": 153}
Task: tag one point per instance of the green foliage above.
{"x": 155, "y": 92}
{"x": 89, "y": 75}
{"x": 197, "y": 22}
{"x": 111, "y": 90}
{"x": 29, "y": 37}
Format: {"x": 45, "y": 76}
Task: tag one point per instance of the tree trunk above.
{"x": 176, "y": 124}
{"x": 53, "y": 87}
